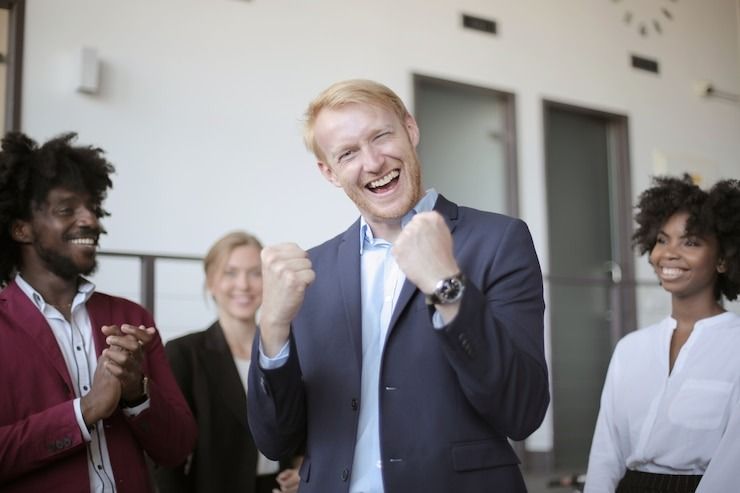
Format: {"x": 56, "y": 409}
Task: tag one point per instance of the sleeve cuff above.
{"x": 81, "y": 420}
{"x": 136, "y": 410}
{"x": 276, "y": 361}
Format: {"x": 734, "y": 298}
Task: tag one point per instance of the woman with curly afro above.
{"x": 672, "y": 387}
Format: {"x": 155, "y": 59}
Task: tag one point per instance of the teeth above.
{"x": 671, "y": 272}
{"x": 83, "y": 241}
{"x": 385, "y": 180}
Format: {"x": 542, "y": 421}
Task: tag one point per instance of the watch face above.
{"x": 451, "y": 290}
{"x": 647, "y": 17}
{"x": 447, "y": 290}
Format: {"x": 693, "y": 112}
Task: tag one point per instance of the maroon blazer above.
{"x": 41, "y": 445}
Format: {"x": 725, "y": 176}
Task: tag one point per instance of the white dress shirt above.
{"x": 657, "y": 421}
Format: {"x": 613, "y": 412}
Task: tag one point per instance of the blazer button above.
{"x": 345, "y": 475}
{"x": 354, "y": 404}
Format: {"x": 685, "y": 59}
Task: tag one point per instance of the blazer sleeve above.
{"x": 38, "y": 440}
{"x": 38, "y": 426}
{"x": 282, "y": 433}
{"x": 167, "y": 429}
{"x": 495, "y": 344}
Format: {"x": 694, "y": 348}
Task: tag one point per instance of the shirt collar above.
{"x": 85, "y": 289}
{"x": 426, "y": 204}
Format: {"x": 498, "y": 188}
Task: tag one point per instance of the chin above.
{"x": 244, "y": 315}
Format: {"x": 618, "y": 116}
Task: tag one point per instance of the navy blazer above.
{"x": 449, "y": 398}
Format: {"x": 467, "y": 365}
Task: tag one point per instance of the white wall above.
{"x": 201, "y": 100}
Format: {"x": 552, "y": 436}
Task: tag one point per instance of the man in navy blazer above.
{"x": 403, "y": 353}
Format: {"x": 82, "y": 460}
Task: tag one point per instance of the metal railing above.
{"x": 147, "y": 271}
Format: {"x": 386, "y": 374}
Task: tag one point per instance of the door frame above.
{"x": 508, "y": 102}
{"x": 622, "y": 293}
{"x": 623, "y": 296}
{"x": 14, "y": 61}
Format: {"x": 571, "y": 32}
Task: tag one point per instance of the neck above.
{"x": 687, "y": 312}
{"x": 55, "y": 290}
{"x": 239, "y": 335}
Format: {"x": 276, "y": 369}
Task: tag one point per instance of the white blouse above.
{"x": 722, "y": 473}
{"x": 653, "y": 421}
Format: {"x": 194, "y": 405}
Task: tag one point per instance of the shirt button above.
{"x": 100, "y": 467}
{"x": 79, "y": 348}
{"x": 354, "y": 404}
{"x": 345, "y": 475}
{"x": 84, "y": 387}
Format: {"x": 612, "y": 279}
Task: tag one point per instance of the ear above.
{"x": 721, "y": 266}
{"x": 412, "y": 129}
{"x": 20, "y": 231}
{"x": 328, "y": 173}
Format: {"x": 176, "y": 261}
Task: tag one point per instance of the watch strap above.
{"x": 144, "y": 396}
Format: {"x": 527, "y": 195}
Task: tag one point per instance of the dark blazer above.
{"x": 225, "y": 458}
{"x": 449, "y": 398}
{"x": 41, "y": 445}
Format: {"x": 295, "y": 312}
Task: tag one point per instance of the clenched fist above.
{"x": 286, "y": 273}
{"x": 424, "y": 253}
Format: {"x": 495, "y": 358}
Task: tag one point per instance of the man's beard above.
{"x": 62, "y": 266}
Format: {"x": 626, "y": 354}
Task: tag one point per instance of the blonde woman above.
{"x": 211, "y": 368}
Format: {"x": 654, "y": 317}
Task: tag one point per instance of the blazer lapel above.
{"x": 29, "y": 319}
{"x": 448, "y": 210}
{"x": 223, "y": 375}
{"x": 348, "y": 268}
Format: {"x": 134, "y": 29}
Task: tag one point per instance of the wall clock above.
{"x": 647, "y": 17}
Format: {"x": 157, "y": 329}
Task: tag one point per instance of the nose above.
{"x": 670, "y": 250}
{"x": 242, "y": 281}
{"x": 373, "y": 159}
{"x": 86, "y": 216}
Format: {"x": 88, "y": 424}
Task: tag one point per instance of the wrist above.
{"x": 141, "y": 397}
{"x": 273, "y": 336}
{"x": 447, "y": 291}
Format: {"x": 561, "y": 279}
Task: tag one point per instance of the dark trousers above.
{"x": 266, "y": 483}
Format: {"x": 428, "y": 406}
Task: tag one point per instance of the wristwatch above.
{"x": 144, "y": 396}
{"x": 447, "y": 291}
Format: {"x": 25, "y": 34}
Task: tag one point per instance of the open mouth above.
{"x": 669, "y": 273}
{"x": 84, "y": 241}
{"x": 384, "y": 183}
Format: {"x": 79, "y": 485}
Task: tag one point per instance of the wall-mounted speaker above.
{"x": 89, "y": 71}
